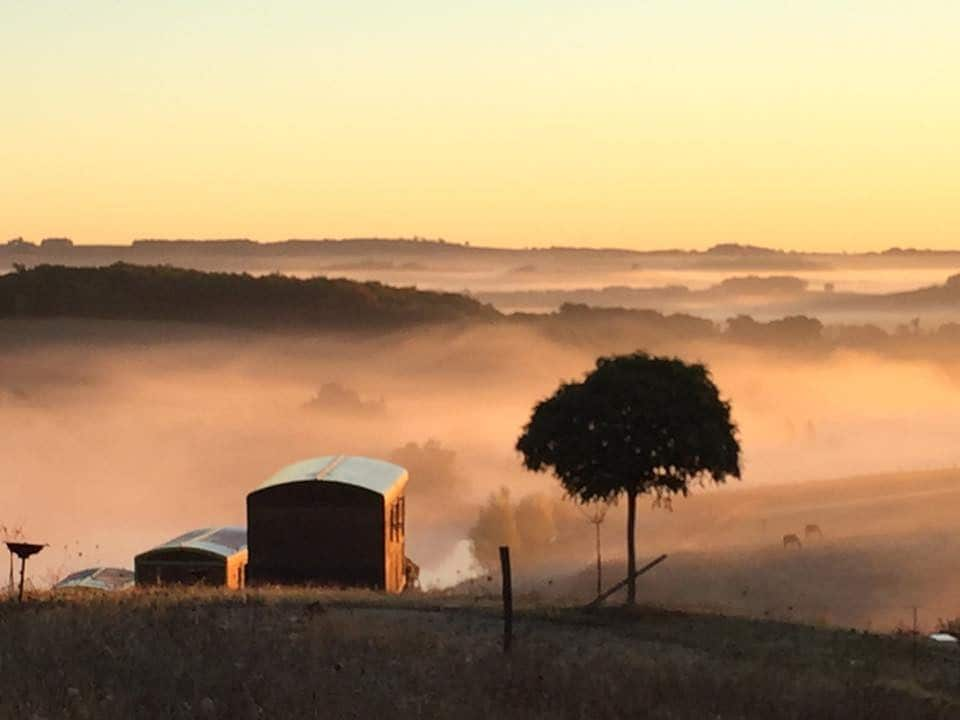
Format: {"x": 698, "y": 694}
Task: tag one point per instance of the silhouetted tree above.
{"x": 532, "y": 526}
{"x": 636, "y": 424}
{"x": 438, "y": 499}
{"x": 435, "y": 469}
{"x": 332, "y": 397}
{"x": 495, "y": 525}
{"x": 793, "y": 330}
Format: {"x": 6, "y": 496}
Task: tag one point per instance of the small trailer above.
{"x": 214, "y": 556}
{"x": 107, "y": 579}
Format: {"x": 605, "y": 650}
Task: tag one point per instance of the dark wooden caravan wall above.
{"x": 325, "y": 533}
{"x": 180, "y": 567}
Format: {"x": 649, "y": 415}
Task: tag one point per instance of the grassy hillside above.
{"x": 301, "y": 654}
{"x": 132, "y": 292}
{"x": 886, "y": 504}
{"x": 889, "y": 544}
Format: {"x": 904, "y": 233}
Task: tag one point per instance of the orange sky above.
{"x": 818, "y": 125}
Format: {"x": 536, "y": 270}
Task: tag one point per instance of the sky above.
{"x": 808, "y": 125}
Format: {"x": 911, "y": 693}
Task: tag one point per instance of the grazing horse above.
{"x": 789, "y": 540}
{"x": 812, "y": 531}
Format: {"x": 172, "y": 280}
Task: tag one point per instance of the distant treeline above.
{"x": 162, "y": 293}
{"x": 335, "y": 255}
{"x": 243, "y": 253}
{"x": 786, "y": 295}
{"x": 625, "y": 330}
{"x": 133, "y": 292}
{"x": 775, "y": 287}
{"x": 237, "y": 247}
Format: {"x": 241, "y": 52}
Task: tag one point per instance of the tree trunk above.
{"x": 599, "y": 564}
{"x": 631, "y": 546}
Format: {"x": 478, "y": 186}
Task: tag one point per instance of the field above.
{"x": 888, "y": 546}
{"x": 313, "y": 654}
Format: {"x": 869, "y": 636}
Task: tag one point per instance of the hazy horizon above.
{"x": 545, "y": 245}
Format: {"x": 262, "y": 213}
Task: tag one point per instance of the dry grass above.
{"x": 310, "y": 654}
{"x": 866, "y": 583}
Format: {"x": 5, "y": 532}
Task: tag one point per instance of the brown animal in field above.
{"x": 791, "y": 540}
{"x": 812, "y": 531}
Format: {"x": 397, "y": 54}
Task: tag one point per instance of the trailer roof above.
{"x": 97, "y": 578}
{"x": 378, "y": 476}
{"x": 225, "y": 541}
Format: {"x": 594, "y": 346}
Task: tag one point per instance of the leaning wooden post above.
{"x": 507, "y": 598}
{"x": 603, "y": 596}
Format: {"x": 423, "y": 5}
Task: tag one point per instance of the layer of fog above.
{"x": 111, "y": 446}
{"x": 873, "y": 281}
{"x": 834, "y": 295}
{"x": 836, "y": 292}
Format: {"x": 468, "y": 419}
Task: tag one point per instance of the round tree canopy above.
{"x": 635, "y": 424}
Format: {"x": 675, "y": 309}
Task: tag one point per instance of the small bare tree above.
{"x": 596, "y": 513}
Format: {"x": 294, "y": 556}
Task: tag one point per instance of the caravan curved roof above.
{"x": 97, "y": 578}
{"x": 225, "y": 541}
{"x": 378, "y": 476}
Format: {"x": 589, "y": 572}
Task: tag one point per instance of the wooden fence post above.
{"x": 507, "y": 598}
{"x": 915, "y": 633}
